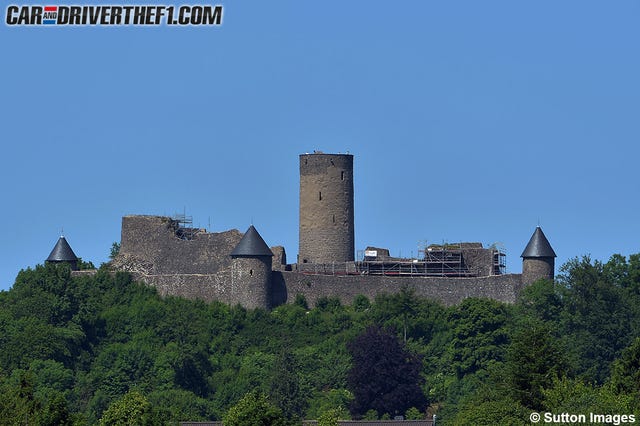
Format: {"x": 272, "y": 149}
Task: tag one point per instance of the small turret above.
{"x": 251, "y": 271}
{"x": 62, "y": 253}
{"x": 538, "y": 259}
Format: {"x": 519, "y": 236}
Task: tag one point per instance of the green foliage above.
{"x": 542, "y": 300}
{"x": 22, "y": 403}
{"x": 361, "y": 303}
{"x": 329, "y": 304}
{"x": 625, "y": 374}
{"x": 132, "y": 409}
{"x": 414, "y": 414}
{"x": 331, "y": 417}
{"x": 115, "y": 250}
{"x": 534, "y": 360}
{"x": 254, "y": 409}
{"x": 597, "y": 321}
{"x": 574, "y": 396}
{"x": 332, "y": 400}
{"x": 285, "y": 389}
{"x": 301, "y": 301}
{"x": 177, "y": 404}
{"x": 490, "y": 412}
{"x": 71, "y": 348}
{"x": 480, "y": 335}
{"x": 371, "y": 414}
{"x": 82, "y": 265}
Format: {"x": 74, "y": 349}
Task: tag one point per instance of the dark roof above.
{"x": 252, "y": 244}
{"x": 62, "y": 252}
{"x": 538, "y": 246}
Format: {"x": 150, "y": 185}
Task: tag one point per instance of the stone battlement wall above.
{"x": 286, "y": 285}
{"x": 152, "y": 244}
{"x": 449, "y": 291}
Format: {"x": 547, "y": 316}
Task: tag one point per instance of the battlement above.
{"x": 159, "y": 243}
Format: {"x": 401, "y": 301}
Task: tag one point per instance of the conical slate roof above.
{"x": 62, "y": 252}
{"x": 252, "y": 244}
{"x": 538, "y": 246}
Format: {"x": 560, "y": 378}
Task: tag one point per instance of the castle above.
{"x": 242, "y": 269}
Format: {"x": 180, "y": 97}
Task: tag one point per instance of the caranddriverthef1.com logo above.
{"x": 111, "y": 15}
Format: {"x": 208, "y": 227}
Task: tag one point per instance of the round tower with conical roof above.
{"x": 538, "y": 259}
{"x": 62, "y": 253}
{"x": 326, "y": 208}
{"x": 251, "y": 271}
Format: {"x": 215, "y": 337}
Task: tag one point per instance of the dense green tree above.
{"x": 23, "y": 403}
{"x": 625, "y": 374}
{"x": 332, "y": 400}
{"x": 480, "y": 335}
{"x": 254, "y": 409}
{"x": 597, "y": 320}
{"x": 489, "y": 412}
{"x": 385, "y": 377}
{"x": 285, "y": 390}
{"x": 72, "y": 347}
{"x": 574, "y": 396}
{"x": 534, "y": 360}
{"x": 541, "y": 300}
{"x": 174, "y": 405}
{"x": 361, "y": 303}
{"x": 133, "y": 409}
{"x": 330, "y": 417}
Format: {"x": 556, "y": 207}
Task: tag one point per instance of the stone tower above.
{"x": 62, "y": 253}
{"x": 326, "y": 208}
{"x": 538, "y": 259}
{"x": 251, "y": 271}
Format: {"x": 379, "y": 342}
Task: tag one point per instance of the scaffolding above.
{"x": 446, "y": 260}
{"x": 184, "y": 226}
{"x": 499, "y": 262}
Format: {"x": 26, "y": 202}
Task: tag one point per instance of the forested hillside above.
{"x": 93, "y": 349}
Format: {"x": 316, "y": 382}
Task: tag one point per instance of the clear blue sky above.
{"x": 469, "y": 121}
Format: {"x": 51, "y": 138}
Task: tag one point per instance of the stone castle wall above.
{"x": 201, "y": 268}
{"x": 287, "y": 285}
{"x": 153, "y": 243}
{"x": 449, "y": 291}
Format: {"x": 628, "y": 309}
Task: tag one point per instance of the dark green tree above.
{"x": 534, "y": 360}
{"x": 625, "y": 374}
{"x": 597, "y": 320}
{"x": 480, "y": 335}
{"x": 285, "y": 389}
{"x": 542, "y": 300}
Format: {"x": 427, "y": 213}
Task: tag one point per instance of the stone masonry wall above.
{"x": 207, "y": 287}
{"x": 449, "y": 291}
{"x": 201, "y": 268}
{"x": 286, "y": 285}
{"x": 151, "y": 241}
{"x": 251, "y": 281}
{"x": 535, "y": 268}
{"x": 326, "y": 208}
{"x": 479, "y": 260}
